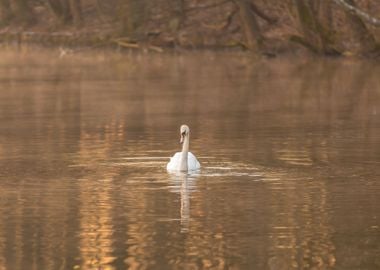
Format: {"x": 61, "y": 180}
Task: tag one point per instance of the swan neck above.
{"x": 185, "y": 145}
{"x": 184, "y": 154}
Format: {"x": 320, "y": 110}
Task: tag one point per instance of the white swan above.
{"x": 184, "y": 161}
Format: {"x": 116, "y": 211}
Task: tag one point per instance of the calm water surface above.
{"x": 290, "y": 153}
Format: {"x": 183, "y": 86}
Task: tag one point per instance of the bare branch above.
{"x": 363, "y": 15}
{"x": 207, "y": 6}
{"x": 261, "y": 14}
{"x": 225, "y": 24}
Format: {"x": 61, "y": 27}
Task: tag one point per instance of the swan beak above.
{"x": 182, "y": 137}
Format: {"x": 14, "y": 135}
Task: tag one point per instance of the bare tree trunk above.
{"x": 23, "y": 12}
{"x": 315, "y": 22}
{"x": 309, "y": 25}
{"x": 325, "y": 27}
{"x": 132, "y": 16}
{"x": 180, "y": 11}
{"x": 5, "y": 12}
{"x": 180, "y": 7}
{"x": 250, "y": 25}
{"x": 325, "y": 14}
{"x": 67, "y": 11}
{"x": 76, "y": 12}
{"x": 60, "y": 9}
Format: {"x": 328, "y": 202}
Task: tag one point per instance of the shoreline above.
{"x": 70, "y": 41}
{"x": 88, "y": 41}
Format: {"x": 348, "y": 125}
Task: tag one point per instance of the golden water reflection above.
{"x": 288, "y": 150}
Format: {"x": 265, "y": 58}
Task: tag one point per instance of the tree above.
{"x": 67, "y": 11}
{"x": 365, "y": 40}
{"x": 315, "y": 26}
{"x": 5, "y": 12}
{"x": 250, "y": 25}
{"x": 350, "y": 7}
{"x": 22, "y": 11}
{"x": 76, "y": 12}
{"x": 132, "y": 16}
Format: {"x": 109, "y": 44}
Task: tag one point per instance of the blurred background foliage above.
{"x": 324, "y": 27}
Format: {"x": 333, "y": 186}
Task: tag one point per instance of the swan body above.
{"x": 184, "y": 161}
{"x": 192, "y": 162}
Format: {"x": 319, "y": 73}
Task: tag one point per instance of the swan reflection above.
{"x": 184, "y": 184}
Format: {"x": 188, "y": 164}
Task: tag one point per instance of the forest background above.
{"x": 271, "y": 27}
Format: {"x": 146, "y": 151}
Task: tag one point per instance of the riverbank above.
{"x": 72, "y": 40}
{"x": 269, "y": 28}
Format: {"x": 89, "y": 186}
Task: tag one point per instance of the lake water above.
{"x": 290, "y": 154}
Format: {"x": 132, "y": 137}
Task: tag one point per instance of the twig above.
{"x": 133, "y": 45}
{"x": 358, "y": 12}
{"x": 207, "y": 6}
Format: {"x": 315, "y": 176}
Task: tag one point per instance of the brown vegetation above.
{"x": 324, "y": 27}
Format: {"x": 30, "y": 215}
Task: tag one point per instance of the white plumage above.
{"x": 184, "y": 161}
{"x": 174, "y": 163}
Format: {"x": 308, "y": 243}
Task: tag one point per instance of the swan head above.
{"x": 185, "y": 131}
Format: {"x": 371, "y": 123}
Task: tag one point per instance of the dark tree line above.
{"x": 321, "y": 26}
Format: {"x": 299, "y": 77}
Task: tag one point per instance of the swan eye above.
{"x": 183, "y": 133}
